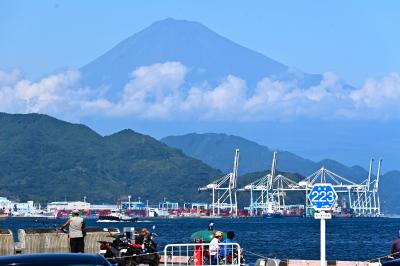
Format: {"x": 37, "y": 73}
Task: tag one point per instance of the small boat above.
{"x": 273, "y": 215}
{"x": 32, "y": 215}
{"x": 117, "y": 217}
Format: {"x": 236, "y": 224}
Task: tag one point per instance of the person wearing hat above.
{"x": 76, "y": 232}
{"x": 214, "y": 247}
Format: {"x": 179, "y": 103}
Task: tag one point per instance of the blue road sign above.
{"x": 322, "y": 196}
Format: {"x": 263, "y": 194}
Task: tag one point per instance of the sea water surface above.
{"x": 284, "y": 238}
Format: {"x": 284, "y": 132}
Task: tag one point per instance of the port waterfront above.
{"x": 295, "y": 238}
{"x": 363, "y": 200}
{"x": 141, "y": 209}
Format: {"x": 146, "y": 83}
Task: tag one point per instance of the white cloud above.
{"x": 329, "y": 85}
{"x": 380, "y": 93}
{"x": 48, "y": 92}
{"x": 274, "y": 99}
{"x": 155, "y": 92}
{"x": 55, "y": 94}
{"x": 223, "y": 101}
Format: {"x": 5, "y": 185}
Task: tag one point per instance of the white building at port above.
{"x": 24, "y": 207}
{"x": 7, "y": 206}
{"x": 67, "y": 205}
{"x": 103, "y": 207}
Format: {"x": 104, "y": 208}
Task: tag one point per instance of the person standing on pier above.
{"x": 395, "y": 249}
{"x": 214, "y": 247}
{"x": 76, "y": 232}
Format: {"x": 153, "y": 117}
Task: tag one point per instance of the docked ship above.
{"x": 116, "y": 216}
{"x": 273, "y": 215}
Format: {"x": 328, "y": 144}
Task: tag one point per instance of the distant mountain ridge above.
{"x": 390, "y": 192}
{"x": 45, "y": 159}
{"x": 208, "y": 56}
{"x": 217, "y": 150}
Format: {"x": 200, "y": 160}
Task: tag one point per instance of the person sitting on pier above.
{"x": 76, "y": 235}
{"x": 395, "y": 249}
{"x": 227, "y": 250}
{"x": 140, "y": 238}
{"x": 214, "y": 247}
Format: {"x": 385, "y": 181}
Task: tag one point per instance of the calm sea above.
{"x": 347, "y": 239}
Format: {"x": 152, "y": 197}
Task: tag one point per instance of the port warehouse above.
{"x": 268, "y": 196}
{"x": 135, "y": 208}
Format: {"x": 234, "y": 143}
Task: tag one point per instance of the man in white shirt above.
{"x": 76, "y": 227}
{"x": 214, "y": 247}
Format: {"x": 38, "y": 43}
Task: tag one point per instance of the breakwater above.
{"x": 48, "y": 240}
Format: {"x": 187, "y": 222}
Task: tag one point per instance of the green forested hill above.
{"x": 45, "y": 159}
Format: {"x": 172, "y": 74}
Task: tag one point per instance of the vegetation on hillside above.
{"x": 45, "y": 159}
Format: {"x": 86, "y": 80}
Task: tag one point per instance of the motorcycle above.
{"x": 115, "y": 251}
{"x": 124, "y": 251}
{"x": 148, "y": 253}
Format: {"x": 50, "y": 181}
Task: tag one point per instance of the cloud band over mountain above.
{"x": 159, "y": 91}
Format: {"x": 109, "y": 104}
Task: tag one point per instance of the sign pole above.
{"x": 322, "y": 197}
{"x": 323, "y": 240}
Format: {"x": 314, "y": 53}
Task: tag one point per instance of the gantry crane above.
{"x": 224, "y": 189}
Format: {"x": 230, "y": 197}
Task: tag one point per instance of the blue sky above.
{"x": 354, "y": 39}
{"x": 358, "y": 41}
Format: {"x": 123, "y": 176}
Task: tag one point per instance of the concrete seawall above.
{"x": 97, "y": 234}
{"x": 42, "y": 240}
{"x": 45, "y": 240}
{"x": 6, "y": 242}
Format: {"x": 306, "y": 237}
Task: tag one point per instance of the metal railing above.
{"x": 202, "y": 254}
